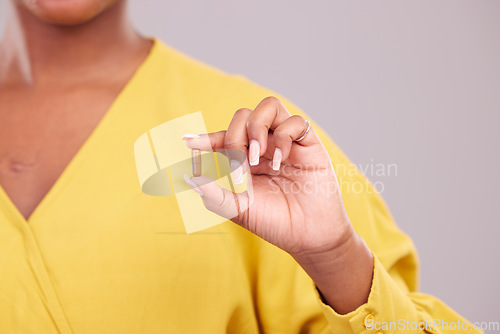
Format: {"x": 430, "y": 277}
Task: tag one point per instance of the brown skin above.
{"x": 80, "y": 55}
{"x": 67, "y": 12}
{"x": 76, "y": 72}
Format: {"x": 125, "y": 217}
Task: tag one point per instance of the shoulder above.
{"x": 206, "y": 87}
{"x": 187, "y": 85}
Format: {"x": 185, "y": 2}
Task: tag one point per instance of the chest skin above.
{"x": 41, "y": 130}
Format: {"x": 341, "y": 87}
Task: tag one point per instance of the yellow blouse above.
{"x": 100, "y": 256}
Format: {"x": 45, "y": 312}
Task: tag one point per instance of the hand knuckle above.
{"x": 242, "y": 111}
{"x": 231, "y": 143}
{"x": 271, "y": 99}
{"x": 280, "y": 134}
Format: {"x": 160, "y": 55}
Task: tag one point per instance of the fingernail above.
{"x": 192, "y": 185}
{"x": 190, "y": 136}
{"x": 277, "y": 159}
{"x": 237, "y": 172}
{"x": 254, "y": 153}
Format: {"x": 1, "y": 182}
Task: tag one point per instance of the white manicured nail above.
{"x": 192, "y": 185}
{"x": 237, "y": 172}
{"x": 190, "y": 136}
{"x": 277, "y": 159}
{"x": 253, "y": 155}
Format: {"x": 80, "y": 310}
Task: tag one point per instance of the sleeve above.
{"x": 294, "y": 305}
{"x": 394, "y": 304}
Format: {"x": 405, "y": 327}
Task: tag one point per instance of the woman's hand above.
{"x": 297, "y": 204}
{"x": 293, "y": 199}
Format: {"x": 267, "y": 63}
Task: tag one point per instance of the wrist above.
{"x": 333, "y": 252}
{"x": 343, "y": 275}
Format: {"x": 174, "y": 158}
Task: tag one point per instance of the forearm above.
{"x": 343, "y": 275}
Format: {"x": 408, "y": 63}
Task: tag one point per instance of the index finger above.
{"x": 206, "y": 141}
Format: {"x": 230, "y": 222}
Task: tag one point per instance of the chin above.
{"x": 66, "y": 12}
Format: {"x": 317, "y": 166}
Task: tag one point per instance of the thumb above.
{"x": 221, "y": 201}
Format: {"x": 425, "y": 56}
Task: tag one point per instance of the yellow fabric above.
{"x": 99, "y": 256}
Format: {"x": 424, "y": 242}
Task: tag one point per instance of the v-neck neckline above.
{"x": 90, "y": 143}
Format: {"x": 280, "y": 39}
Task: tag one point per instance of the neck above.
{"x": 33, "y": 51}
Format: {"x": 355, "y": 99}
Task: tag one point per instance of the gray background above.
{"x": 412, "y": 83}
